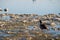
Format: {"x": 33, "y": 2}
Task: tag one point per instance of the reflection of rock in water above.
{"x": 23, "y": 38}
{"x": 6, "y": 18}
{"x": 59, "y": 13}
{"x": 6, "y": 35}
{"x": 54, "y": 31}
{"x": 33, "y": 0}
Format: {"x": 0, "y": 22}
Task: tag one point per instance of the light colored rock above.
{"x": 53, "y": 24}
{"x": 0, "y": 9}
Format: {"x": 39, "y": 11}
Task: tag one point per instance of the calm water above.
{"x": 27, "y": 6}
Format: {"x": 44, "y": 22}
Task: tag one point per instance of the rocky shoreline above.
{"x": 26, "y": 26}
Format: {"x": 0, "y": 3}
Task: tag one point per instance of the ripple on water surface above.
{"x": 53, "y": 31}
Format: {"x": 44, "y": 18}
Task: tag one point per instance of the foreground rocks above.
{"x": 26, "y": 27}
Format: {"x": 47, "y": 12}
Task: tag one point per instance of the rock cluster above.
{"x": 26, "y": 26}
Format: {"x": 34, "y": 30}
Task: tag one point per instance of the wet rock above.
{"x": 58, "y": 28}
{"x": 23, "y": 38}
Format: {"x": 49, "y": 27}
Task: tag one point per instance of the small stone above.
{"x": 53, "y": 24}
{"x": 46, "y": 35}
{"x": 52, "y": 39}
{"x": 40, "y": 34}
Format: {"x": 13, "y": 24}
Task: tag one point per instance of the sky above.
{"x": 28, "y": 6}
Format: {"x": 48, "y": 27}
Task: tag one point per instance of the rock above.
{"x": 0, "y": 9}
{"x": 6, "y": 9}
{"x": 9, "y": 32}
{"x": 40, "y": 34}
{"x": 46, "y": 35}
{"x": 52, "y": 39}
{"x": 53, "y": 24}
{"x": 58, "y": 28}
{"x": 23, "y": 38}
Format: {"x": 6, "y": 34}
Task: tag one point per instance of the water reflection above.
{"x": 30, "y": 27}
{"x": 33, "y": 0}
{"x": 5, "y": 18}
{"x": 53, "y": 31}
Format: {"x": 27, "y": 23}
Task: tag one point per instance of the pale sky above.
{"x": 27, "y": 6}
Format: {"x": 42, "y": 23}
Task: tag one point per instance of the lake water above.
{"x": 28, "y": 6}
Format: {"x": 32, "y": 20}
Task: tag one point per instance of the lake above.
{"x": 29, "y": 7}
